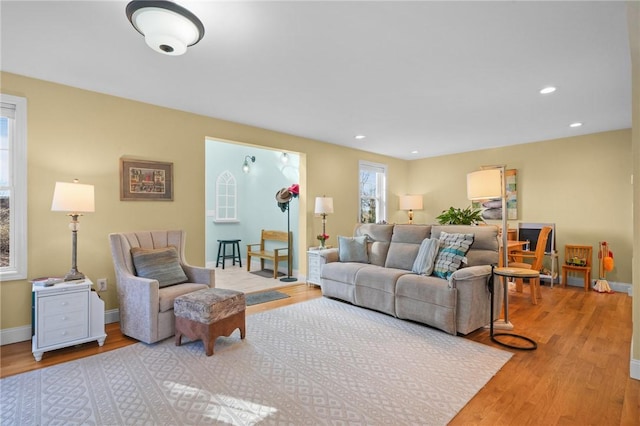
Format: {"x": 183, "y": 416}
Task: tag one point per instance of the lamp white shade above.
{"x": 484, "y": 184}
{"x": 73, "y": 197}
{"x": 324, "y": 205}
{"x": 411, "y": 202}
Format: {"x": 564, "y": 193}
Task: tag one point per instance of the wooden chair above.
{"x": 275, "y": 254}
{"x": 536, "y": 257}
{"x": 573, "y": 251}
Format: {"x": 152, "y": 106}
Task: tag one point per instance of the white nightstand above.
{"x": 65, "y": 314}
{"x": 314, "y": 265}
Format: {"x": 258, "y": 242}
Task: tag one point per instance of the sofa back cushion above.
{"x": 378, "y": 241}
{"x": 404, "y": 246}
{"x": 483, "y": 251}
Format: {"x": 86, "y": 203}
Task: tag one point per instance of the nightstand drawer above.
{"x": 64, "y": 334}
{"x": 63, "y": 320}
{"x": 62, "y": 303}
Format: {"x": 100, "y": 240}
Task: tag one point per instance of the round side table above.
{"x": 511, "y": 273}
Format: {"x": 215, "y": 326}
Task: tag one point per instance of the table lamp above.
{"x": 74, "y": 198}
{"x": 411, "y": 203}
{"x": 324, "y": 206}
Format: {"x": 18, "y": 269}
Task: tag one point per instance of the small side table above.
{"x": 65, "y": 314}
{"x": 510, "y": 273}
{"x": 222, "y": 247}
{"x": 314, "y": 265}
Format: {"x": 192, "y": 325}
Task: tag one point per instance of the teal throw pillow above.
{"x": 353, "y": 249}
{"x": 423, "y": 265}
{"x": 452, "y": 252}
{"x": 159, "y": 264}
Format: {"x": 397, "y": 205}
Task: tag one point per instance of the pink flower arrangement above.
{"x": 323, "y": 237}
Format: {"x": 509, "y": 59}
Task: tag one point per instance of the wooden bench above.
{"x": 262, "y": 250}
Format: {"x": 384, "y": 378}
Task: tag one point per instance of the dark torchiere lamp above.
{"x": 283, "y": 197}
{"x": 75, "y": 199}
{"x": 167, "y": 27}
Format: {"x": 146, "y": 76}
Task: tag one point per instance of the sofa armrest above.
{"x": 199, "y": 275}
{"x": 471, "y": 273}
{"x": 329, "y": 255}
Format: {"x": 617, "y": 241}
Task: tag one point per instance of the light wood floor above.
{"x": 579, "y": 375}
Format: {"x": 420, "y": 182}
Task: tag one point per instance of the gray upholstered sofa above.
{"x": 385, "y": 281}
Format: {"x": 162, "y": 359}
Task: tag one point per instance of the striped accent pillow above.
{"x": 159, "y": 264}
{"x": 423, "y": 265}
{"x": 453, "y": 249}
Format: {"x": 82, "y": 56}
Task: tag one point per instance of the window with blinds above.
{"x": 373, "y": 205}
{"x": 13, "y": 188}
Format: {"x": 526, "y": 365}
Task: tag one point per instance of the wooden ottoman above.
{"x": 209, "y": 313}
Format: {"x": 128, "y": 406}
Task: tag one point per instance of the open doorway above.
{"x": 241, "y": 182}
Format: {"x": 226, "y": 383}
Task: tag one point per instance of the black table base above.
{"x": 493, "y": 335}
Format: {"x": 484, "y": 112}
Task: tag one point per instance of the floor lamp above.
{"x": 74, "y": 198}
{"x": 489, "y": 183}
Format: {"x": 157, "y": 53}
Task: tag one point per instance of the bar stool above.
{"x": 222, "y": 252}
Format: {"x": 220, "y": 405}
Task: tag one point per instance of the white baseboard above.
{"x": 615, "y": 286}
{"x": 634, "y": 365}
{"x": 23, "y": 333}
{"x": 15, "y": 335}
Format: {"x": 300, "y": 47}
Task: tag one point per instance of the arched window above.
{"x": 226, "y": 198}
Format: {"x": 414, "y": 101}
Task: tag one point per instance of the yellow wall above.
{"x": 74, "y": 133}
{"x": 582, "y": 183}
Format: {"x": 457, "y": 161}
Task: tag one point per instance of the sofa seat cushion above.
{"x": 167, "y": 295}
{"x": 341, "y": 272}
{"x": 375, "y": 288}
{"x": 427, "y": 299}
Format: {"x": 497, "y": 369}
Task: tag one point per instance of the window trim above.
{"x": 382, "y": 211}
{"x": 17, "y": 270}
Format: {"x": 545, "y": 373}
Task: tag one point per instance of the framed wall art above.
{"x": 145, "y": 180}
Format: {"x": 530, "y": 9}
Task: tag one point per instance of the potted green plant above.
{"x": 457, "y": 216}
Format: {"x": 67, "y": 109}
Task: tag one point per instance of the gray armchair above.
{"x": 146, "y": 308}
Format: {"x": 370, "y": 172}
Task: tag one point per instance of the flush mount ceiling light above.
{"x": 577, "y": 124}
{"x": 167, "y": 27}
{"x": 359, "y": 137}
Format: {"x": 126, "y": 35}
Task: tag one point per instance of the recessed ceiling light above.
{"x": 360, "y": 136}
{"x": 415, "y": 151}
{"x": 547, "y": 90}
{"x": 575, "y": 124}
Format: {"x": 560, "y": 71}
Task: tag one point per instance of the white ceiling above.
{"x": 436, "y": 77}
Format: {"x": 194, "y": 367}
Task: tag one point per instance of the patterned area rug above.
{"x": 317, "y": 362}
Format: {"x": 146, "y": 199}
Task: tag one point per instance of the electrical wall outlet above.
{"x": 102, "y": 284}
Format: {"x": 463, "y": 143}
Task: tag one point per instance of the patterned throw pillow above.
{"x": 423, "y": 265}
{"x": 353, "y": 249}
{"x": 453, "y": 249}
{"x": 159, "y": 264}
